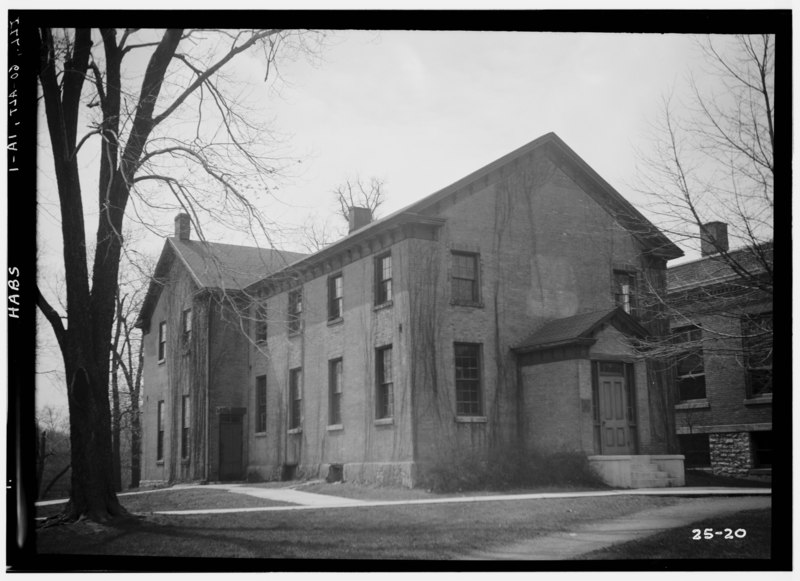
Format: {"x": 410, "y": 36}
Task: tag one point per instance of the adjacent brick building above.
{"x": 722, "y": 323}
{"x": 492, "y": 315}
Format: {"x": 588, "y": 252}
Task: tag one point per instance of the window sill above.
{"x": 384, "y": 422}
{"x": 294, "y": 431}
{"x": 260, "y": 435}
{"x": 159, "y": 462}
{"x": 261, "y": 342}
{"x": 336, "y": 321}
{"x": 335, "y": 428}
{"x": 693, "y": 404}
{"x": 759, "y": 400}
{"x": 293, "y": 334}
{"x": 471, "y": 419}
{"x": 162, "y": 361}
{"x": 478, "y": 305}
{"x": 386, "y": 305}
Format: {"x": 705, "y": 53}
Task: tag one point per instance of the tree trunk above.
{"x": 115, "y": 431}
{"x": 41, "y": 456}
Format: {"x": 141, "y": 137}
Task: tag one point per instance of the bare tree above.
{"x": 714, "y": 160}
{"x": 711, "y": 160}
{"x": 358, "y": 193}
{"x": 217, "y": 166}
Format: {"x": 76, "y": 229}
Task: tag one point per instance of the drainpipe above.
{"x": 208, "y": 385}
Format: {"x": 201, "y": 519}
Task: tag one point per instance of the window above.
{"x": 385, "y": 385}
{"x": 761, "y": 446}
{"x": 465, "y": 278}
{"x": 186, "y": 325}
{"x": 295, "y": 310}
{"x": 757, "y": 343}
{"x": 689, "y": 363}
{"x": 295, "y": 398}
{"x": 696, "y": 450}
{"x": 335, "y": 297}
{"x": 185, "y": 427}
{"x": 261, "y": 404}
{"x": 468, "y": 379}
{"x": 260, "y": 334}
{"x": 625, "y": 290}
{"x": 162, "y": 340}
{"x": 335, "y": 392}
{"x": 160, "y": 428}
{"x": 383, "y": 279}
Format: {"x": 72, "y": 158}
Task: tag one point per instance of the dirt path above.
{"x": 598, "y": 535}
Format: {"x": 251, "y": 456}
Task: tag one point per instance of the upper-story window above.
{"x": 186, "y": 325}
{"x": 383, "y": 279}
{"x": 757, "y": 344}
{"x": 295, "y": 310}
{"x": 335, "y": 297}
{"x": 466, "y": 278}
{"x": 260, "y": 330}
{"x": 625, "y": 290}
{"x": 162, "y": 340}
{"x": 689, "y": 363}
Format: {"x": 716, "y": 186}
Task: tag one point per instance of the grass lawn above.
{"x": 178, "y": 499}
{"x": 679, "y": 544}
{"x": 436, "y": 531}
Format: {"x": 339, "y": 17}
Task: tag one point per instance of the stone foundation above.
{"x": 730, "y": 453}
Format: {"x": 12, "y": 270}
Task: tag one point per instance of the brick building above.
{"x": 722, "y": 320}
{"x": 494, "y": 314}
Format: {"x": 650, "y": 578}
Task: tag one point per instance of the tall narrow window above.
{"x": 295, "y": 398}
{"x": 261, "y": 404}
{"x": 160, "y": 432}
{"x": 468, "y": 379}
{"x": 185, "y": 419}
{"x": 465, "y": 278}
{"x": 383, "y": 279}
{"x": 385, "y": 383}
{"x": 162, "y": 340}
{"x": 625, "y": 290}
{"x": 335, "y": 392}
{"x": 757, "y": 343}
{"x": 335, "y": 297}
{"x": 689, "y": 363}
{"x": 260, "y": 334}
{"x": 186, "y": 325}
{"x": 295, "y": 310}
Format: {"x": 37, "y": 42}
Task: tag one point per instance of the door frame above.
{"x": 629, "y": 394}
{"x": 239, "y": 413}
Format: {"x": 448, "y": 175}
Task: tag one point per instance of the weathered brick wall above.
{"x": 547, "y": 250}
{"x": 360, "y": 440}
{"x": 553, "y": 417}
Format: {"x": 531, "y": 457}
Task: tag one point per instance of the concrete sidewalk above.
{"x": 310, "y": 501}
{"x": 598, "y": 535}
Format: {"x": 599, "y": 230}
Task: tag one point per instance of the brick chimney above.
{"x": 183, "y": 227}
{"x": 358, "y": 217}
{"x": 713, "y": 238}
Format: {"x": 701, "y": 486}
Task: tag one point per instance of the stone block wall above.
{"x": 730, "y": 453}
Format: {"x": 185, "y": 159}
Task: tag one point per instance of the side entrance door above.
{"x": 613, "y": 395}
{"x": 230, "y": 447}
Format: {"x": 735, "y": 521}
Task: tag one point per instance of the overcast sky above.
{"x": 420, "y": 110}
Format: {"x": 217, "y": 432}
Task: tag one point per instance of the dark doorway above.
{"x": 230, "y": 447}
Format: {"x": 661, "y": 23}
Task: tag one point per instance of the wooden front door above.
{"x": 613, "y": 394}
{"x": 230, "y": 447}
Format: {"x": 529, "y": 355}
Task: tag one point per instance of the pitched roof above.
{"x": 422, "y": 211}
{"x": 716, "y": 269}
{"x": 578, "y": 329}
{"x": 214, "y": 265}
